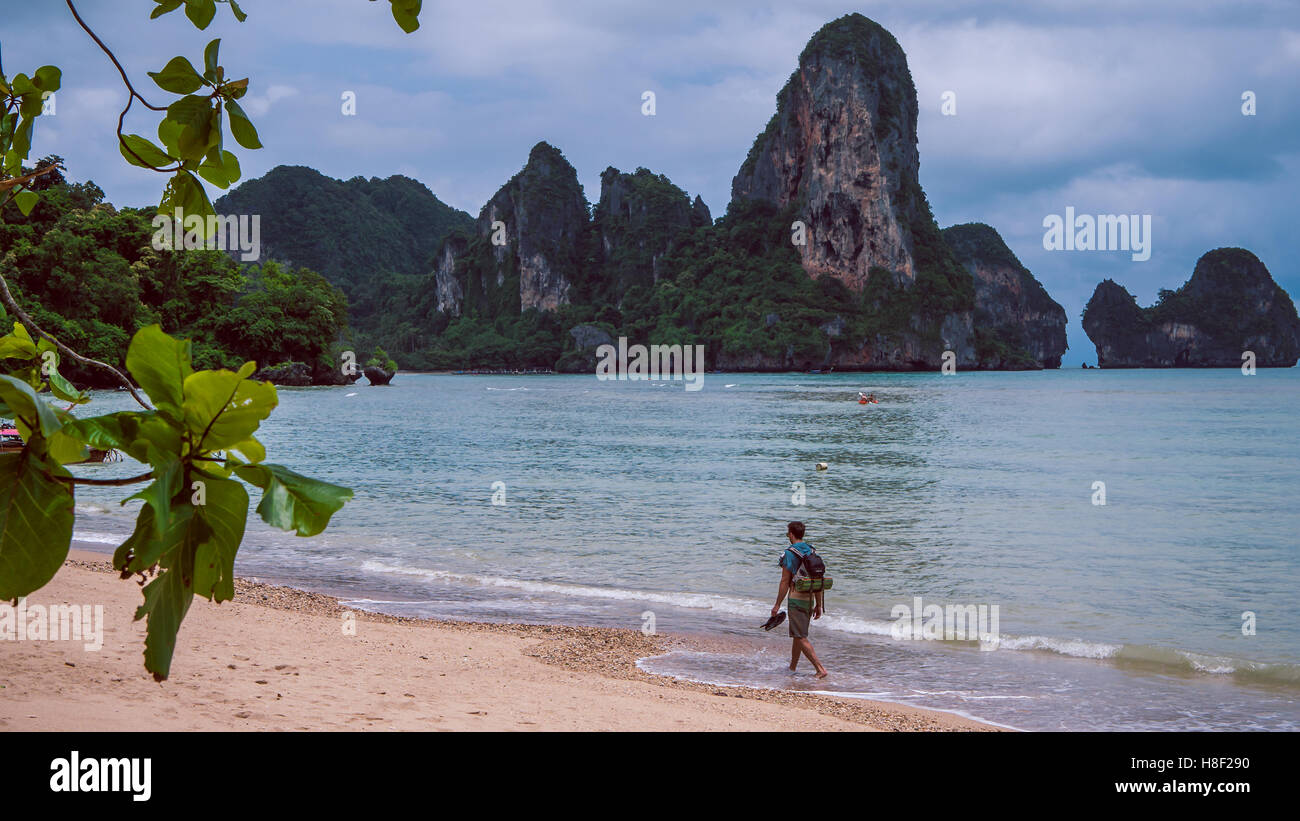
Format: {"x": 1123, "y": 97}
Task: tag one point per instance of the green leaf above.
{"x": 252, "y": 449}
{"x": 26, "y": 201}
{"x": 169, "y": 134}
{"x": 291, "y": 501}
{"x": 223, "y": 408}
{"x": 239, "y": 13}
{"x": 144, "y": 548}
{"x": 241, "y": 127}
{"x": 160, "y": 364}
{"x": 48, "y": 78}
{"x": 200, "y": 12}
{"x": 132, "y": 432}
{"x": 185, "y": 192}
{"x": 152, "y": 155}
{"x": 63, "y": 389}
{"x": 22, "y": 142}
{"x": 164, "y": 6}
{"x": 65, "y": 449}
{"x": 225, "y": 511}
{"x": 179, "y": 77}
{"x": 17, "y": 345}
{"x": 230, "y": 165}
{"x": 166, "y": 601}
{"x": 194, "y": 114}
{"x": 213, "y": 170}
{"x": 407, "y": 14}
{"x": 23, "y": 402}
{"x": 210, "y": 60}
{"x": 159, "y": 493}
{"x": 35, "y": 522}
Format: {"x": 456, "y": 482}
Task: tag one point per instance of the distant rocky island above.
{"x": 828, "y": 256}
{"x": 1230, "y": 306}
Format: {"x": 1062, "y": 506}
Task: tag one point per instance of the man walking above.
{"x": 802, "y": 605}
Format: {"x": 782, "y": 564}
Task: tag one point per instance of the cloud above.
{"x": 257, "y": 105}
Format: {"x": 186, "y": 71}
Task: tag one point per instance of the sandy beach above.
{"x": 276, "y": 658}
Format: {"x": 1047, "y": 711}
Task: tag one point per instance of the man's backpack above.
{"x": 810, "y": 574}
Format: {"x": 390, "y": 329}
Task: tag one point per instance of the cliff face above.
{"x": 840, "y": 154}
{"x": 842, "y": 148}
{"x": 1230, "y": 305}
{"x": 638, "y": 217}
{"x": 536, "y": 256}
{"x": 447, "y": 280}
{"x": 1018, "y": 322}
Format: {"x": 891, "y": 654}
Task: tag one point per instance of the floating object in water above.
{"x": 349, "y": 394}
{"x": 732, "y": 385}
{"x": 823, "y": 466}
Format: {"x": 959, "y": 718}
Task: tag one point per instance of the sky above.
{"x": 1104, "y": 107}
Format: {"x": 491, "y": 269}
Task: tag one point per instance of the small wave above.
{"x": 702, "y": 601}
{"x": 1272, "y": 672}
{"x": 1070, "y": 647}
{"x": 97, "y": 538}
{"x": 1065, "y": 647}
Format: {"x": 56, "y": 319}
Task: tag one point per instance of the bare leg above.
{"x": 806, "y": 646}
{"x": 794, "y": 654}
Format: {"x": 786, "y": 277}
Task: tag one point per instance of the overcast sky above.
{"x": 1099, "y": 106}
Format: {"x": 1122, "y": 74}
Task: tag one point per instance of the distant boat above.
{"x": 11, "y": 440}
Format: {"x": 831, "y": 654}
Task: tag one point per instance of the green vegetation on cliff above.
{"x": 1219, "y": 298}
{"x": 373, "y": 238}
{"x": 88, "y": 274}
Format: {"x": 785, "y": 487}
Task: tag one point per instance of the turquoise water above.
{"x": 623, "y": 499}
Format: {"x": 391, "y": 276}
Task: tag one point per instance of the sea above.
{"x": 1135, "y": 532}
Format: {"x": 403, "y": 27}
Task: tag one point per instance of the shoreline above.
{"x": 521, "y": 676}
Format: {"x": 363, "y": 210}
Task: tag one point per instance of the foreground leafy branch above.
{"x": 198, "y": 441}
{"x": 197, "y": 436}
{"x": 191, "y": 136}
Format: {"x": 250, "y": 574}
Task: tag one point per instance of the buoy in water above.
{"x": 822, "y": 466}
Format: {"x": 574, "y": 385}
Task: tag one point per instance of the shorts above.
{"x": 798, "y": 619}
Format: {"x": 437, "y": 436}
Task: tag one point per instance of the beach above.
{"x": 278, "y": 658}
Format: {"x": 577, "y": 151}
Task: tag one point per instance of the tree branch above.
{"x": 111, "y": 56}
{"x": 15, "y": 181}
{"x": 132, "y": 96}
{"x": 13, "y": 306}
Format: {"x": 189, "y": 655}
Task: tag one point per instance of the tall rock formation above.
{"x": 1230, "y": 305}
{"x": 1017, "y": 323}
{"x": 841, "y": 147}
{"x": 638, "y": 217}
{"x": 528, "y": 243}
{"x": 840, "y": 154}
